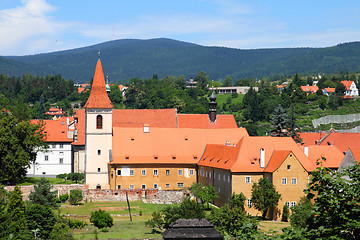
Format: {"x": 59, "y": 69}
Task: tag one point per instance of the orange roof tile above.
{"x": 343, "y": 141}
{"x": 80, "y": 127}
{"x": 165, "y": 118}
{"x": 347, "y": 84}
{"x": 249, "y": 154}
{"x": 203, "y": 121}
{"x": 56, "y": 130}
{"x": 356, "y": 153}
{"x": 312, "y": 89}
{"x": 330, "y": 90}
{"x": 331, "y": 155}
{"x": 276, "y": 160}
{"x": 54, "y": 111}
{"x": 164, "y": 143}
{"x": 98, "y": 96}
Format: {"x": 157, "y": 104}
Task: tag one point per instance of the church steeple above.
{"x": 98, "y": 96}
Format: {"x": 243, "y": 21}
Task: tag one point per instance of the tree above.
{"x": 202, "y": 81}
{"x": 43, "y": 195}
{"x": 264, "y": 196}
{"x": 15, "y": 210}
{"x": 101, "y": 219}
{"x": 280, "y": 121}
{"x": 19, "y": 144}
{"x": 301, "y": 213}
{"x": 228, "y": 82}
{"x": 76, "y": 196}
{"x": 206, "y": 194}
{"x": 40, "y": 217}
{"x": 285, "y": 213}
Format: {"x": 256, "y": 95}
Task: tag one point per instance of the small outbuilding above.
{"x": 192, "y": 229}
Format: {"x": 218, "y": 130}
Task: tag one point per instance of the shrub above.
{"x": 104, "y": 229}
{"x": 74, "y": 223}
{"x": 76, "y": 196}
{"x": 101, "y": 219}
{"x": 285, "y": 213}
{"x": 64, "y": 197}
{"x": 40, "y": 217}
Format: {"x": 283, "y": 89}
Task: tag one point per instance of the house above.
{"x": 57, "y": 159}
{"x": 351, "y": 89}
{"x": 238, "y": 90}
{"x": 309, "y": 89}
{"x": 327, "y": 156}
{"x": 328, "y": 91}
{"x": 135, "y": 148}
{"x": 55, "y": 113}
{"x": 235, "y": 166}
{"x": 352, "y": 157}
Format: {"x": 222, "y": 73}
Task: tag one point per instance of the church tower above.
{"x": 98, "y": 132}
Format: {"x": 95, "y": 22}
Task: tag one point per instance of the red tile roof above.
{"x": 343, "y": 141}
{"x": 203, "y": 121}
{"x": 330, "y": 90}
{"x": 56, "y": 130}
{"x": 312, "y": 89}
{"x": 330, "y": 156}
{"x": 167, "y": 145}
{"x": 163, "y": 118}
{"x": 347, "y": 84}
{"x": 249, "y": 154}
{"x": 98, "y": 96}
{"x": 276, "y": 160}
{"x": 356, "y": 153}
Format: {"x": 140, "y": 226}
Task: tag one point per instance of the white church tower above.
{"x": 98, "y": 133}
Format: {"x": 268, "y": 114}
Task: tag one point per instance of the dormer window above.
{"x": 99, "y": 122}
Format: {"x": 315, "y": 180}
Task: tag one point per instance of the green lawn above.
{"x": 123, "y": 228}
{"x": 221, "y": 98}
{"x": 277, "y": 226}
{"x": 34, "y": 180}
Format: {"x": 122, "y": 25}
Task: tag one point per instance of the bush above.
{"x": 40, "y": 217}
{"x": 74, "y": 223}
{"x": 285, "y": 213}
{"x": 101, "y": 219}
{"x": 63, "y": 198}
{"x": 104, "y": 229}
{"x": 76, "y": 196}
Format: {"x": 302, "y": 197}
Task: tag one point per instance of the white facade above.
{"x": 352, "y": 91}
{"x": 53, "y": 161}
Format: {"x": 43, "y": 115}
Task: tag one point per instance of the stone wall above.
{"x": 147, "y": 195}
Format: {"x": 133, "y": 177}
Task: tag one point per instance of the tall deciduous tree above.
{"x": 264, "y": 196}
{"x": 19, "y": 143}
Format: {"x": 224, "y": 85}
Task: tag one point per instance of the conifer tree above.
{"x": 43, "y": 195}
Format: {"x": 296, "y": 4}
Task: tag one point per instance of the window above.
{"x": 192, "y": 172}
{"x": 143, "y": 186}
{"x": 118, "y": 172}
{"x": 98, "y": 187}
{"x": 206, "y": 174}
{"x": 155, "y": 186}
{"x": 46, "y": 158}
{"x": 248, "y": 203}
{"x": 293, "y": 180}
{"x": 99, "y": 122}
{"x": 180, "y": 172}
{"x": 228, "y": 178}
{"x": 180, "y": 184}
{"x": 293, "y": 204}
{"x": 132, "y": 186}
{"x": 143, "y": 172}
{"x": 247, "y": 179}
{"x": 61, "y": 160}
{"x": 156, "y": 172}
{"x": 287, "y": 204}
{"x": 131, "y": 172}
{"x": 284, "y": 181}
{"x": 219, "y": 176}
{"x": 167, "y": 172}
{"x": 209, "y": 174}
{"x": 61, "y": 153}
{"x": 99, "y": 170}
{"x": 99, "y": 152}
{"x": 118, "y": 186}
{"x": 167, "y": 185}
{"x": 43, "y": 173}
{"x": 61, "y": 145}
{"x": 224, "y": 178}
{"x": 288, "y": 167}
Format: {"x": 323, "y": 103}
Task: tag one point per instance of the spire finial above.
{"x": 99, "y": 54}
{"x": 107, "y": 79}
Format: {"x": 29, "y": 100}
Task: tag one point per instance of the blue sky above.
{"x": 40, "y": 26}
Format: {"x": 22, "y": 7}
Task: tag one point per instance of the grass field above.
{"x": 221, "y": 98}
{"x": 34, "y": 180}
{"x": 124, "y": 228}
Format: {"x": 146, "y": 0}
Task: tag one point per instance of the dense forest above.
{"x": 126, "y": 59}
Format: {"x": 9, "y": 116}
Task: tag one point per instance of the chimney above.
{"x": 306, "y": 151}
{"x": 146, "y": 128}
{"x": 262, "y": 158}
{"x": 212, "y": 107}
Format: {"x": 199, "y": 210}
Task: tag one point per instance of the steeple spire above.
{"x": 98, "y": 97}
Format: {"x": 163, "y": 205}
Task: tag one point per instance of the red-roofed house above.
{"x": 55, "y": 113}
{"x": 351, "y": 89}
{"x": 310, "y": 89}
{"x": 58, "y": 158}
{"x": 328, "y": 91}
{"x": 235, "y": 167}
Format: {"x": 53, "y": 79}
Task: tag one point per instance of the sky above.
{"x": 42, "y": 26}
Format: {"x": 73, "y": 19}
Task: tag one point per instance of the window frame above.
{"x": 293, "y": 181}
{"x": 143, "y": 172}
{"x": 99, "y": 122}
{"x": 284, "y": 181}
{"x": 156, "y": 172}
{"x": 247, "y": 179}
{"x": 180, "y": 172}
{"x": 132, "y": 172}
{"x": 180, "y": 185}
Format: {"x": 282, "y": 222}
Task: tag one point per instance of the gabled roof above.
{"x": 167, "y": 145}
{"x": 248, "y": 156}
{"x": 347, "y": 84}
{"x": 330, "y": 156}
{"x": 56, "y": 130}
{"x": 312, "y": 89}
{"x": 343, "y": 141}
{"x": 98, "y": 96}
{"x": 356, "y": 153}
{"x": 330, "y": 90}
{"x": 164, "y": 118}
{"x": 203, "y": 121}
{"x": 276, "y": 160}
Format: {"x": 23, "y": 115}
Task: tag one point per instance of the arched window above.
{"x": 99, "y": 122}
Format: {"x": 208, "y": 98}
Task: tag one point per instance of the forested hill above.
{"x": 125, "y": 59}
